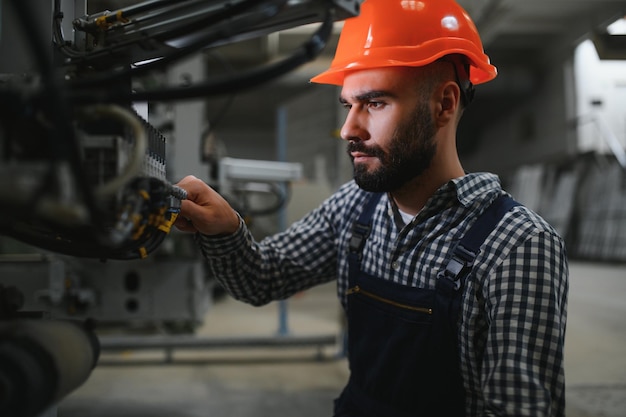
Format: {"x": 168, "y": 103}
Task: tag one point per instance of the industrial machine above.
{"x": 85, "y": 196}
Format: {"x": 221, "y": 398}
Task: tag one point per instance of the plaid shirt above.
{"x": 512, "y": 324}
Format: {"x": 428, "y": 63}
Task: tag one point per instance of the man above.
{"x": 427, "y": 336}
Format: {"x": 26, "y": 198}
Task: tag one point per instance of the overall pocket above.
{"x": 390, "y": 342}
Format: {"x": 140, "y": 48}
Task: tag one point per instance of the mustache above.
{"x": 374, "y": 151}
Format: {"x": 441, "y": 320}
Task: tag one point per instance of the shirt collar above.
{"x": 470, "y": 187}
{"x": 464, "y": 190}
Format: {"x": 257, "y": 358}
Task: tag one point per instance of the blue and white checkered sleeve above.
{"x": 277, "y": 267}
{"x": 522, "y": 370}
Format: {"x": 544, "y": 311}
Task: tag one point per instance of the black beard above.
{"x": 411, "y": 151}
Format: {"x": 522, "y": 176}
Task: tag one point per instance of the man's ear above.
{"x": 448, "y": 98}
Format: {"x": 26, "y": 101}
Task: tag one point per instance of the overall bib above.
{"x": 402, "y": 341}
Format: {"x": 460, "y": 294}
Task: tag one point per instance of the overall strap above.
{"x": 360, "y": 231}
{"x": 469, "y": 247}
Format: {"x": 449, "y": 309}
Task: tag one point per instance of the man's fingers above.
{"x": 190, "y": 209}
{"x": 197, "y": 190}
{"x": 210, "y": 212}
{"x": 184, "y": 224}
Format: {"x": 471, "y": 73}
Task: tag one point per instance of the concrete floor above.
{"x": 303, "y": 381}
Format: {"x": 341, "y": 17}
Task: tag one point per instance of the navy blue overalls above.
{"x": 402, "y": 341}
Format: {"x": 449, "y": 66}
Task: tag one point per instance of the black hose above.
{"x": 224, "y": 85}
{"x": 195, "y": 46}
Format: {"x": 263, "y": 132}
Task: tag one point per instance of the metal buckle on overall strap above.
{"x": 461, "y": 262}
{"x": 360, "y": 232}
{"x": 468, "y": 249}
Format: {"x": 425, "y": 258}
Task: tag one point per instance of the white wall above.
{"x": 602, "y": 83}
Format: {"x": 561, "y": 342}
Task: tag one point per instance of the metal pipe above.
{"x": 119, "y": 343}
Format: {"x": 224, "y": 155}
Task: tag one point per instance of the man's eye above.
{"x": 375, "y": 104}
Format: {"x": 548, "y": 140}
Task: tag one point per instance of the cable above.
{"x": 216, "y": 34}
{"x": 59, "y": 40}
{"x": 281, "y": 191}
{"x": 133, "y": 10}
{"x": 228, "y": 84}
{"x": 149, "y": 209}
{"x": 248, "y": 79}
{"x": 230, "y": 9}
{"x": 136, "y": 159}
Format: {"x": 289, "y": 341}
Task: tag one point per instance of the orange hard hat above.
{"x": 409, "y": 33}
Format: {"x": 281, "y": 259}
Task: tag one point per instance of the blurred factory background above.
{"x": 552, "y": 125}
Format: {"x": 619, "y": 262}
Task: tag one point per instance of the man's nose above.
{"x": 352, "y": 129}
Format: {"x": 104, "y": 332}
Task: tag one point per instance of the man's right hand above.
{"x": 205, "y": 210}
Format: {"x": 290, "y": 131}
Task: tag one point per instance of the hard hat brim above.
{"x": 481, "y": 70}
